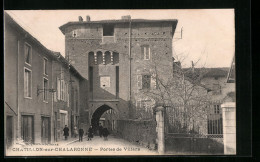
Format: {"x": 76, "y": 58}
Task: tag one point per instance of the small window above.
{"x": 74, "y": 33}
{"x": 27, "y": 83}
{"x": 146, "y": 52}
{"x": 28, "y": 54}
{"x": 45, "y": 66}
{"x": 45, "y": 89}
{"x": 216, "y": 109}
{"x": 108, "y": 30}
{"x": 146, "y": 81}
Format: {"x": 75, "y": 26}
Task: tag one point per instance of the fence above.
{"x": 194, "y": 131}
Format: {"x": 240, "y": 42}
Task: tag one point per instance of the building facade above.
{"x": 67, "y": 103}
{"x": 119, "y": 57}
{"x": 219, "y": 89}
{"x": 30, "y": 91}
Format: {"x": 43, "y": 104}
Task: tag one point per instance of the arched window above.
{"x": 107, "y": 57}
{"x": 99, "y": 58}
{"x": 91, "y": 60}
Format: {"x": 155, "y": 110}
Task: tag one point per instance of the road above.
{"x": 113, "y": 146}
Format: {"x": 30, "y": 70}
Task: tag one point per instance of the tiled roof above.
{"x": 206, "y": 72}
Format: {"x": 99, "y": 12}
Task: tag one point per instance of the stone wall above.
{"x": 138, "y": 132}
{"x": 190, "y": 145}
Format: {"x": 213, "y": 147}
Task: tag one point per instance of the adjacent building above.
{"x": 219, "y": 89}
{"x": 40, "y": 86}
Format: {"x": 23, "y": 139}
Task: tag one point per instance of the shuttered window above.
{"x": 45, "y": 89}
{"x": 68, "y": 96}
{"x": 145, "y": 52}
{"x": 58, "y": 88}
{"x": 27, "y": 83}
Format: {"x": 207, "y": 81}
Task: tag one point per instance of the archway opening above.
{"x": 104, "y": 110}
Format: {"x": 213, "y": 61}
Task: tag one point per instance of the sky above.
{"x": 208, "y": 36}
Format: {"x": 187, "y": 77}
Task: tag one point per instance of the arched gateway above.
{"x": 95, "y": 117}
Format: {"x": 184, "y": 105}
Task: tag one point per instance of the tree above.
{"x": 181, "y": 93}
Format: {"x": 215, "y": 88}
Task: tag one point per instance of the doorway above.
{"x": 45, "y": 131}
{"x": 27, "y": 129}
{"x": 9, "y": 131}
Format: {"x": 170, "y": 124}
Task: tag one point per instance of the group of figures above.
{"x": 103, "y": 132}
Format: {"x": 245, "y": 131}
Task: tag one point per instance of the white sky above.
{"x": 208, "y": 35}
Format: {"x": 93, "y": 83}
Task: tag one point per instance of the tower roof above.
{"x": 118, "y": 21}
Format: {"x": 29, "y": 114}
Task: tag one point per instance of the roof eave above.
{"x": 173, "y": 21}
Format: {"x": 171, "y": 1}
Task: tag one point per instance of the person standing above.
{"x": 100, "y": 129}
{"x": 66, "y": 132}
{"x": 75, "y": 131}
{"x": 81, "y": 132}
{"x": 105, "y": 133}
{"x": 90, "y": 133}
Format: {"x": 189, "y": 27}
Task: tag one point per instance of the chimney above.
{"x": 80, "y": 19}
{"x": 192, "y": 67}
{"x": 178, "y": 63}
{"x": 87, "y": 18}
{"x": 127, "y": 17}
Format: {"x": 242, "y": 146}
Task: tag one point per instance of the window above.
{"x": 62, "y": 90}
{"x": 146, "y": 52}
{"x": 45, "y": 89}
{"x": 146, "y": 81}
{"x": 74, "y": 33}
{"x": 28, "y": 53}
{"x": 45, "y": 66}
{"x": 216, "y": 109}
{"x": 27, "y": 83}
{"x": 58, "y": 88}
{"x": 108, "y": 30}
{"x": 68, "y": 96}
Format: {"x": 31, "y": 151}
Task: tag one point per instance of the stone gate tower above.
{"x": 117, "y": 57}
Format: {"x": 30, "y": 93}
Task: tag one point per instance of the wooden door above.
{"x": 45, "y": 133}
{"x": 27, "y": 129}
